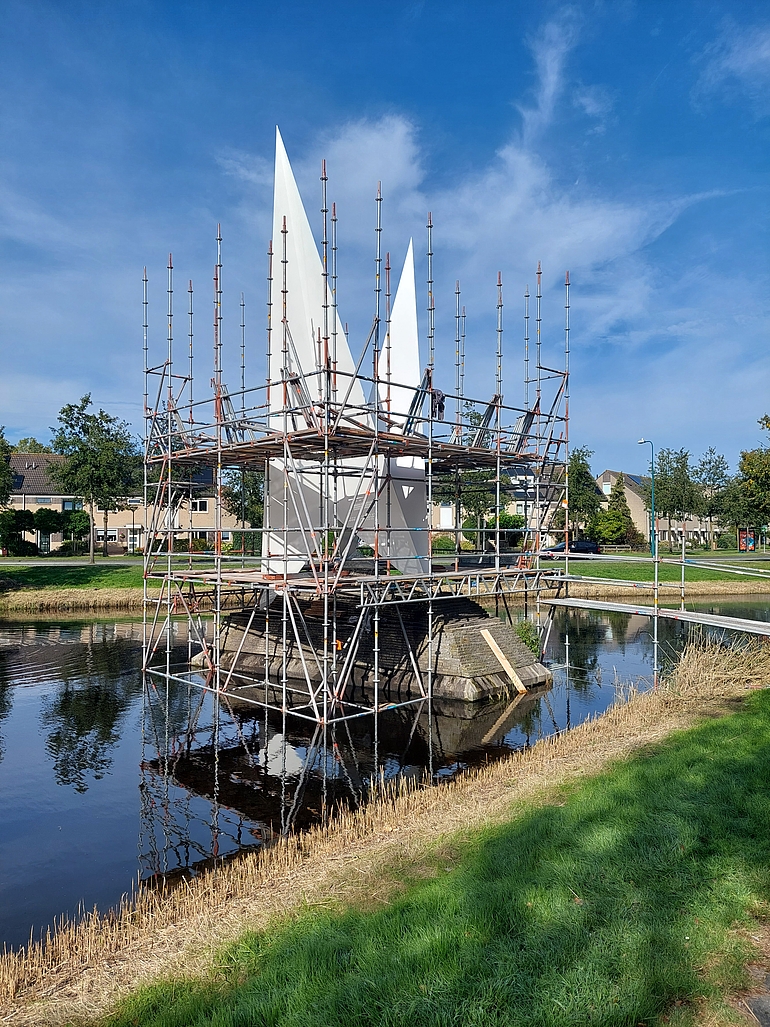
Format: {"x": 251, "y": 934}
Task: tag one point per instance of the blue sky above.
{"x": 626, "y": 142}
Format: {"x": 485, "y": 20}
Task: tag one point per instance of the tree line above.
{"x": 101, "y": 465}
{"x": 685, "y": 488}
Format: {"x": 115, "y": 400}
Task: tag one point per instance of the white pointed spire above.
{"x": 304, "y": 284}
{"x": 405, "y": 370}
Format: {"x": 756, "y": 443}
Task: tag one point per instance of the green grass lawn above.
{"x": 101, "y": 575}
{"x": 616, "y": 903}
{"x": 639, "y": 570}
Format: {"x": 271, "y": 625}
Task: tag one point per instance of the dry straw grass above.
{"x": 57, "y": 600}
{"x": 80, "y": 970}
{"x": 98, "y": 600}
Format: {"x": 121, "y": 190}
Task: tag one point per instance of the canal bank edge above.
{"x": 87, "y": 968}
{"x": 104, "y": 600}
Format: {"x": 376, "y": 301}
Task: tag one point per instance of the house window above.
{"x": 134, "y": 502}
{"x": 42, "y": 499}
{"x": 112, "y": 534}
{"x": 199, "y": 505}
{"x": 606, "y": 487}
{"x": 446, "y": 516}
{"x": 72, "y": 504}
{"x": 520, "y": 508}
{"x": 225, "y": 536}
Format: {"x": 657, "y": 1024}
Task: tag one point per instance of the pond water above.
{"x": 105, "y": 780}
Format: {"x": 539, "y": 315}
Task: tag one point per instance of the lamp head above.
{"x": 641, "y": 442}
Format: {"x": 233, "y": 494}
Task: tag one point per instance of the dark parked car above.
{"x": 577, "y": 545}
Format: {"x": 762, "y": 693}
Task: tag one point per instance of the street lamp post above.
{"x": 656, "y": 564}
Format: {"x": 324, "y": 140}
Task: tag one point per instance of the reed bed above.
{"x": 79, "y": 970}
{"x": 56, "y": 600}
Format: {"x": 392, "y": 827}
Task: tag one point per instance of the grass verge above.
{"x": 557, "y": 886}
{"x": 617, "y": 904}
{"x": 96, "y": 576}
{"x": 639, "y": 570}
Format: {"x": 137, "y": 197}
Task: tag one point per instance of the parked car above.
{"x": 577, "y": 545}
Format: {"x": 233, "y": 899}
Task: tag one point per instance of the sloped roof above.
{"x": 636, "y": 482}
{"x": 30, "y": 474}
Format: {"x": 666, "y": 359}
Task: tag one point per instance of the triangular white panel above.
{"x": 304, "y": 294}
{"x": 401, "y": 352}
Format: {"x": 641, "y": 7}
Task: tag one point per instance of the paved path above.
{"x": 52, "y": 561}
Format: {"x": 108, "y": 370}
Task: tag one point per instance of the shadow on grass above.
{"x": 615, "y": 905}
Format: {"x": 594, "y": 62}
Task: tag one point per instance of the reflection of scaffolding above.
{"x": 352, "y": 452}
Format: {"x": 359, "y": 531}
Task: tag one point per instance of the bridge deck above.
{"x": 712, "y": 620}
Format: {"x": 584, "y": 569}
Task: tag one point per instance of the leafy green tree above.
{"x": 6, "y": 474}
{"x": 584, "y": 495}
{"x": 77, "y": 524}
{"x": 712, "y": 474}
{"x": 609, "y": 527}
{"x": 243, "y": 496}
{"x": 47, "y": 521}
{"x": 748, "y": 499}
{"x": 30, "y": 445}
{"x": 13, "y": 526}
{"x": 101, "y": 462}
{"x": 617, "y": 503}
{"x": 677, "y": 496}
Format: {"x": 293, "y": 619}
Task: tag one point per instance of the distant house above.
{"x": 635, "y": 488}
{"x": 32, "y": 489}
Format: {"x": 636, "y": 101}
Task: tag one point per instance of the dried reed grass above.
{"x": 79, "y": 970}
{"x": 55, "y": 600}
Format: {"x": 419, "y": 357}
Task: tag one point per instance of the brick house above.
{"x": 32, "y": 489}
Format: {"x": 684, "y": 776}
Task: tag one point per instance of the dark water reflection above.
{"x": 103, "y": 779}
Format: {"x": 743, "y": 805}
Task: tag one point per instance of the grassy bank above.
{"x": 643, "y": 570}
{"x": 41, "y": 589}
{"x": 611, "y": 875}
{"x": 100, "y": 575}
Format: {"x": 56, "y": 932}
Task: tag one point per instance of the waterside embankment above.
{"x": 103, "y": 598}
{"x": 615, "y": 836}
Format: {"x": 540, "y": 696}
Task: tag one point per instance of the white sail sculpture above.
{"x": 404, "y": 501}
{"x": 294, "y": 494}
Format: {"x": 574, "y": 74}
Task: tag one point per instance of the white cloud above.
{"x": 549, "y": 51}
{"x": 738, "y": 63}
{"x": 247, "y": 167}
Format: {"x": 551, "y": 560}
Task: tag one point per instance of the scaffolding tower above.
{"x": 352, "y": 461}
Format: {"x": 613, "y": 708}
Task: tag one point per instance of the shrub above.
{"x": 443, "y": 544}
{"x": 528, "y": 634}
{"x": 726, "y": 540}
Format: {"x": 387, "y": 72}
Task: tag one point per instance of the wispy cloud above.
{"x": 737, "y": 64}
{"x": 550, "y": 48}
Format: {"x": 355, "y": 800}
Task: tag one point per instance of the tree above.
{"x": 614, "y": 525}
{"x": 677, "y": 497}
{"x": 747, "y": 499}
{"x": 101, "y": 462}
{"x": 609, "y": 527}
{"x": 584, "y": 495}
{"x": 48, "y": 521}
{"x": 6, "y": 474}
{"x": 30, "y": 445}
{"x": 243, "y": 495}
{"x": 712, "y": 473}
{"x": 13, "y": 526}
